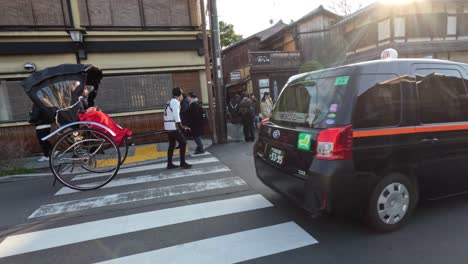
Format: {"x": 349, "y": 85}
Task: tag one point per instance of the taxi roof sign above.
{"x": 389, "y": 54}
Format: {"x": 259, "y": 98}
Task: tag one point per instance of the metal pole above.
{"x": 218, "y": 73}
{"x": 208, "y": 73}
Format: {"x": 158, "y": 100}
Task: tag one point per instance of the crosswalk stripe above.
{"x": 153, "y": 178}
{"x": 136, "y": 196}
{"x": 230, "y": 248}
{"x": 50, "y": 238}
{"x": 143, "y": 168}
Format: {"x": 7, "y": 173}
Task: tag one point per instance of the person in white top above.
{"x": 175, "y": 129}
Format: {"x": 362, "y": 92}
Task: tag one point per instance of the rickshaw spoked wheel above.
{"x": 123, "y": 151}
{"x": 123, "y": 148}
{"x": 85, "y": 159}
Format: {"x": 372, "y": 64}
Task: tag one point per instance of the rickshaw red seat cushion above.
{"x": 105, "y": 120}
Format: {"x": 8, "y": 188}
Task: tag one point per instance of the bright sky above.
{"x": 252, "y": 16}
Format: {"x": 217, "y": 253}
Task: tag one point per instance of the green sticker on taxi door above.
{"x": 303, "y": 141}
{"x": 343, "y": 80}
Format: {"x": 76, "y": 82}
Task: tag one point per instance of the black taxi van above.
{"x": 369, "y": 139}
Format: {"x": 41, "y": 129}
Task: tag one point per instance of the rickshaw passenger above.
{"x": 89, "y": 112}
{"x": 86, "y": 103}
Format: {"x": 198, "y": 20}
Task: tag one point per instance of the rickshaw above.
{"x": 85, "y": 155}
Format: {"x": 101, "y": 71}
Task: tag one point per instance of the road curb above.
{"x": 23, "y": 177}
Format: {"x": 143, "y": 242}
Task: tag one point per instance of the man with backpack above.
{"x": 175, "y": 129}
{"x": 247, "y": 113}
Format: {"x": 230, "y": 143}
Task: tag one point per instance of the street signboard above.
{"x": 262, "y": 59}
{"x": 264, "y": 83}
{"x": 235, "y": 75}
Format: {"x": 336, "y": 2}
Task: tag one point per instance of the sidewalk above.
{"x": 137, "y": 155}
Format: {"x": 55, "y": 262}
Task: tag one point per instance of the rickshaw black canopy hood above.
{"x": 64, "y": 69}
{"x": 60, "y": 87}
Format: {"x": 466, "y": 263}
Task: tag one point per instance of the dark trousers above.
{"x": 256, "y": 121}
{"x": 199, "y": 143}
{"x": 248, "y": 123}
{"x": 173, "y": 137}
{"x": 45, "y": 145}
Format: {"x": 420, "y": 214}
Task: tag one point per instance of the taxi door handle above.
{"x": 430, "y": 140}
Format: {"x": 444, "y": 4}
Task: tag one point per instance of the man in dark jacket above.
{"x": 196, "y": 121}
{"x": 247, "y": 114}
{"x": 254, "y": 106}
{"x": 235, "y": 126}
{"x": 184, "y": 105}
{"x": 233, "y": 109}
{"x": 41, "y": 120}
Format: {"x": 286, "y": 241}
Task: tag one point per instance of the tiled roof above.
{"x": 317, "y": 11}
{"x": 270, "y": 31}
{"x": 262, "y": 35}
{"x": 370, "y": 7}
{"x": 358, "y": 13}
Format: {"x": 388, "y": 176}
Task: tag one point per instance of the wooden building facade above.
{"x": 420, "y": 29}
{"x": 144, "y": 47}
{"x": 265, "y": 61}
{"x": 237, "y": 61}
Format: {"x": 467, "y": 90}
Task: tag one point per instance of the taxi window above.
{"x": 379, "y": 101}
{"x": 442, "y": 96}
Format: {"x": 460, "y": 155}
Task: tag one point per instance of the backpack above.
{"x": 168, "y": 105}
{"x": 245, "y": 107}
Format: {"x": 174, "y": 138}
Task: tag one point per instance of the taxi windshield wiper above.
{"x": 315, "y": 121}
{"x": 316, "y": 110}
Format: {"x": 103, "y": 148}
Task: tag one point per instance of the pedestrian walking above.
{"x": 247, "y": 114}
{"x": 254, "y": 106}
{"x": 196, "y": 121}
{"x": 184, "y": 105}
{"x": 175, "y": 129}
{"x": 266, "y": 105}
{"x": 41, "y": 120}
{"x": 235, "y": 121}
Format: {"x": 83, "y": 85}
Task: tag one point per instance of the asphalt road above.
{"x": 217, "y": 212}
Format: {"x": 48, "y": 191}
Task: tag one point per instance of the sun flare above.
{"x": 397, "y": 2}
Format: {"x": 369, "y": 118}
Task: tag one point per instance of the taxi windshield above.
{"x": 312, "y": 103}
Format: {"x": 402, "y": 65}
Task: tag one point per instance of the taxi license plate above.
{"x": 276, "y": 156}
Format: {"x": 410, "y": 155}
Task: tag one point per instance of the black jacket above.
{"x": 184, "y": 106}
{"x": 246, "y": 108}
{"x": 233, "y": 111}
{"x": 195, "y": 118}
{"x": 38, "y": 116}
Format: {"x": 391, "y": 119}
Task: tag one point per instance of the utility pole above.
{"x": 218, "y": 74}
{"x": 208, "y": 74}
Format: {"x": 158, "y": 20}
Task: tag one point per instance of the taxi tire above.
{"x": 372, "y": 217}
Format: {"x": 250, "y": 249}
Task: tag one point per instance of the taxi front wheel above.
{"x": 391, "y": 203}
